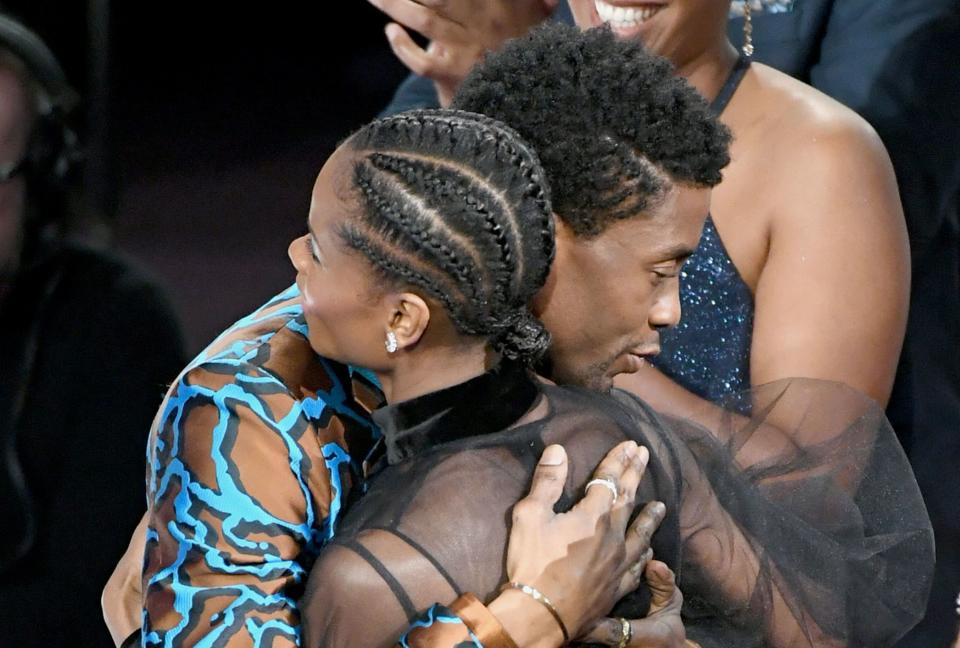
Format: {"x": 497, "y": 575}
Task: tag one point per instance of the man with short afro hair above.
{"x": 638, "y": 130}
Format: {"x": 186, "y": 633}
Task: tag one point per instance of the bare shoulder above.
{"x": 819, "y": 161}
{"x": 808, "y": 124}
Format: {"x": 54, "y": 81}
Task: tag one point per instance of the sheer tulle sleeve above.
{"x": 372, "y": 590}
{"x": 802, "y": 524}
{"x": 348, "y": 602}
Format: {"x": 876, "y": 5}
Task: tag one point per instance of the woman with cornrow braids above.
{"x": 457, "y": 232}
{"x": 430, "y": 235}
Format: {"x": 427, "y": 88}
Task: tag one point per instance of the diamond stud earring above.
{"x": 391, "y": 342}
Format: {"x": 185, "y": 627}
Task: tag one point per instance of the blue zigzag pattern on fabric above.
{"x": 437, "y": 614}
{"x": 238, "y": 512}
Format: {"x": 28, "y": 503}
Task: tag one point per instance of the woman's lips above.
{"x": 625, "y": 21}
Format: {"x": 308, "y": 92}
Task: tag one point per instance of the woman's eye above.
{"x": 313, "y": 251}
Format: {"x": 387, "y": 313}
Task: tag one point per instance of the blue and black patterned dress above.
{"x": 250, "y": 462}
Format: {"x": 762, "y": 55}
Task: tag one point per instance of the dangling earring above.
{"x": 747, "y": 29}
{"x": 391, "y": 342}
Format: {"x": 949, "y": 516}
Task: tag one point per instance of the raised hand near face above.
{"x": 460, "y": 31}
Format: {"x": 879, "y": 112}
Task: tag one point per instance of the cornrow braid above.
{"x": 455, "y": 204}
{"x": 400, "y": 224}
{"x": 444, "y": 191}
{"x": 388, "y": 264}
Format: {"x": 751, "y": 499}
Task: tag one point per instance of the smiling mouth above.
{"x": 625, "y": 18}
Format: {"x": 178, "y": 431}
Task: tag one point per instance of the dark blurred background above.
{"x": 206, "y": 124}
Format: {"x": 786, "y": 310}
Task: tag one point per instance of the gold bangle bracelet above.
{"x": 542, "y": 600}
{"x": 626, "y": 632}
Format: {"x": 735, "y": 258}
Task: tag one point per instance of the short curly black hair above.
{"x": 613, "y": 125}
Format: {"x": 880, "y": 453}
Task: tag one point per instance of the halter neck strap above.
{"x": 730, "y": 85}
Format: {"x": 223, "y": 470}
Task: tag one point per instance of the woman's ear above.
{"x": 409, "y": 318}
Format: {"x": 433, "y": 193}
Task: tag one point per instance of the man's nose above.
{"x": 666, "y": 310}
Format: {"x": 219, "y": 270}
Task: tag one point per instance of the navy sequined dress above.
{"x": 708, "y": 353}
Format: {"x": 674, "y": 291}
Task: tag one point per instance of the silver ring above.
{"x": 606, "y": 482}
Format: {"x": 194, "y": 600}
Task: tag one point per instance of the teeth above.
{"x": 624, "y": 17}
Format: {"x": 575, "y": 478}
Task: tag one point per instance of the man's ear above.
{"x": 409, "y": 318}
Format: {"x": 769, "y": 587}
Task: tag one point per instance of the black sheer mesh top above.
{"x": 814, "y": 535}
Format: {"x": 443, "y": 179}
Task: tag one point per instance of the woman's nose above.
{"x": 294, "y": 251}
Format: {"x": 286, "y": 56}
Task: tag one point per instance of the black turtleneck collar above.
{"x": 488, "y": 403}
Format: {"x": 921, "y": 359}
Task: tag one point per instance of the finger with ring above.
{"x": 606, "y": 482}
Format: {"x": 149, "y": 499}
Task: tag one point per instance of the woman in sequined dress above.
{"x": 803, "y": 266}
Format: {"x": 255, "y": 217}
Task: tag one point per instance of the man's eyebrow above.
{"x": 681, "y": 252}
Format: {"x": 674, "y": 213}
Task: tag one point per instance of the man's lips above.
{"x": 637, "y": 358}
{"x": 646, "y": 351}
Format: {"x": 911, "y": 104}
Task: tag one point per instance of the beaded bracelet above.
{"x": 543, "y": 600}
